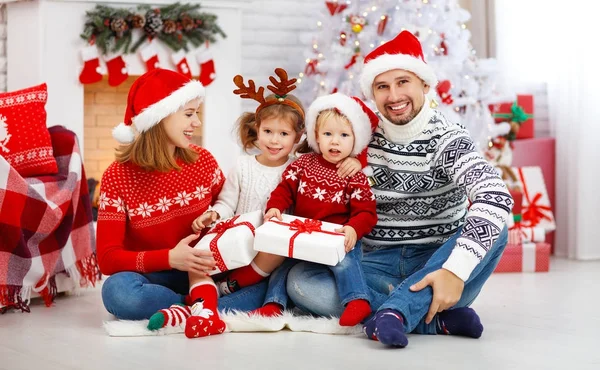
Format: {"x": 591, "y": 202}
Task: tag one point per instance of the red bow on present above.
{"x": 307, "y": 226}
{"x": 220, "y": 229}
{"x": 533, "y": 212}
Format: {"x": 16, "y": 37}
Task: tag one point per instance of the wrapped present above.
{"x": 536, "y": 211}
{"x": 526, "y": 257}
{"x": 232, "y": 241}
{"x": 518, "y": 235}
{"x": 301, "y": 238}
{"x": 520, "y": 112}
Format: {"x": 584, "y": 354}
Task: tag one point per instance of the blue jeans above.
{"x": 135, "y": 296}
{"x": 389, "y": 274}
{"x": 348, "y": 274}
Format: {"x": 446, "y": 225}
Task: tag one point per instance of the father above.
{"x": 442, "y": 211}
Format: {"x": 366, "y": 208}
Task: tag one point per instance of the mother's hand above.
{"x": 185, "y": 258}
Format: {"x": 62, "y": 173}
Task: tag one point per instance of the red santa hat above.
{"x": 362, "y": 119}
{"x": 153, "y": 96}
{"x": 403, "y": 52}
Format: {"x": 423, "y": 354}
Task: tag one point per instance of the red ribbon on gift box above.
{"x": 307, "y": 226}
{"x": 220, "y": 229}
{"x": 533, "y": 212}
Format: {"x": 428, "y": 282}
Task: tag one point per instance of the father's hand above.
{"x": 447, "y": 289}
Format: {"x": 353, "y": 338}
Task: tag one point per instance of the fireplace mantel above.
{"x": 43, "y": 45}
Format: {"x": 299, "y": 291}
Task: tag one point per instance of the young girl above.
{"x": 337, "y": 127}
{"x": 273, "y": 129}
{"x": 143, "y": 232}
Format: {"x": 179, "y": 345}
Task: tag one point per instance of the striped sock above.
{"x": 175, "y": 315}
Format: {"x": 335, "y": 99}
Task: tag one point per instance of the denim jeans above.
{"x": 135, "y": 296}
{"x": 389, "y": 274}
{"x": 348, "y": 274}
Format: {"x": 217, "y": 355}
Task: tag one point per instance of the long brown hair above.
{"x": 249, "y": 123}
{"x": 150, "y": 151}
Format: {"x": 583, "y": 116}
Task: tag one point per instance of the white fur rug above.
{"x": 241, "y": 322}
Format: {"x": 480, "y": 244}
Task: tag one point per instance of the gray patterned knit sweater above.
{"x": 426, "y": 172}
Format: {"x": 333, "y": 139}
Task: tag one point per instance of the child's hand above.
{"x": 350, "y": 237}
{"x": 348, "y": 167}
{"x": 273, "y": 212}
{"x": 203, "y": 221}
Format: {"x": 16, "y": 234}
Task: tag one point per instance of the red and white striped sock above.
{"x": 175, "y": 315}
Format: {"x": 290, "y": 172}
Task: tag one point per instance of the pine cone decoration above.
{"x": 188, "y": 23}
{"x": 118, "y": 25}
{"x": 138, "y": 21}
{"x": 154, "y": 23}
{"x": 169, "y": 27}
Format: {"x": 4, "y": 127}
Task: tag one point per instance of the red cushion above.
{"x": 24, "y": 137}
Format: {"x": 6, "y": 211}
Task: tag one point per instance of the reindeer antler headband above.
{"x": 280, "y": 88}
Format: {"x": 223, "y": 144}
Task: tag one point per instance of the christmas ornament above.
{"x": 188, "y": 23}
{"x": 154, "y": 23}
{"x": 357, "y": 23}
{"x": 352, "y": 61}
{"x": 119, "y": 26}
{"x": 137, "y": 21}
{"x": 343, "y": 38}
{"x": 117, "y": 70}
{"x": 382, "y": 24}
{"x": 443, "y": 90}
{"x": 181, "y": 63}
{"x": 149, "y": 55}
{"x": 207, "y": 66}
{"x": 335, "y": 7}
{"x": 91, "y": 71}
{"x": 311, "y": 67}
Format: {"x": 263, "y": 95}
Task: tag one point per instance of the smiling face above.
{"x": 335, "y": 138}
{"x": 180, "y": 125}
{"x": 276, "y": 139}
{"x": 399, "y": 95}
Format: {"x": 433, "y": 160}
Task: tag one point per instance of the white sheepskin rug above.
{"x": 241, "y": 322}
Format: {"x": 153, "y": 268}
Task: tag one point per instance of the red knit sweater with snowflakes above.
{"x": 142, "y": 214}
{"x": 313, "y": 187}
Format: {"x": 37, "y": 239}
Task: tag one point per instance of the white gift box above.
{"x": 537, "y": 211}
{"x": 232, "y": 240}
{"x": 301, "y": 238}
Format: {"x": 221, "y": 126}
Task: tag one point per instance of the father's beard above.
{"x": 403, "y": 120}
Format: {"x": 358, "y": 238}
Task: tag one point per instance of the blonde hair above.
{"x": 150, "y": 151}
{"x": 324, "y": 115}
{"x": 249, "y": 123}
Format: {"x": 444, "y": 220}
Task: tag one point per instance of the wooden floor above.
{"x": 532, "y": 321}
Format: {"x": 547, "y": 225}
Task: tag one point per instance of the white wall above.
{"x": 271, "y": 37}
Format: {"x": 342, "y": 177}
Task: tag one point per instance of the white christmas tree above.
{"x": 349, "y": 30}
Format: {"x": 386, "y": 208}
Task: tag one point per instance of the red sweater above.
{"x": 312, "y": 186}
{"x": 142, "y": 215}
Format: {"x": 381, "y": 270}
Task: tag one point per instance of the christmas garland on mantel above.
{"x": 177, "y": 25}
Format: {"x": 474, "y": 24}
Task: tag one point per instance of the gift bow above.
{"x": 533, "y": 212}
{"x": 307, "y": 226}
{"x": 220, "y": 229}
{"x": 517, "y": 114}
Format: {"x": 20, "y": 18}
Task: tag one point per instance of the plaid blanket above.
{"x": 45, "y": 227}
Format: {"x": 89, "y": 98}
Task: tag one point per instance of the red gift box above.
{"x": 526, "y": 257}
{"x": 503, "y": 113}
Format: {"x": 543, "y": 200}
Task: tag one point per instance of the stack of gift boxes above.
{"x": 531, "y": 224}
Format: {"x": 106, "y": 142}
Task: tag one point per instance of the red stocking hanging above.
{"x": 117, "y": 70}
{"x": 207, "y": 66}
{"x": 149, "y": 55}
{"x": 92, "y": 72}
{"x": 181, "y": 62}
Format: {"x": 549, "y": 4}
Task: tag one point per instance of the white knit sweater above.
{"x": 247, "y": 187}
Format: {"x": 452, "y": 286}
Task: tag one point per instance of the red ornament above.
{"x": 311, "y": 67}
{"x": 335, "y": 7}
{"x": 352, "y": 61}
{"x": 443, "y": 90}
{"x": 343, "y": 38}
{"x": 382, "y": 24}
